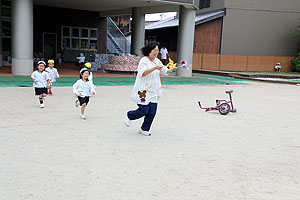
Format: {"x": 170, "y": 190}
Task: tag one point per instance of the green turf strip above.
{"x": 203, "y": 79}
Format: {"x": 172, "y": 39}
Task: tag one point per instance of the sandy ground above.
{"x": 51, "y": 154}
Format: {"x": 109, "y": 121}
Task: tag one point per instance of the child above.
{"x": 277, "y": 67}
{"x": 88, "y": 66}
{"x": 83, "y": 89}
{"x": 41, "y": 82}
{"x": 53, "y": 74}
{"x": 80, "y": 60}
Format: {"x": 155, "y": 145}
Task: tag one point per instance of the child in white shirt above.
{"x": 80, "y": 60}
{"x": 53, "y": 74}
{"x": 83, "y": 90}
{"x": 41, "y": 82}
{"x": 277, "y": 67}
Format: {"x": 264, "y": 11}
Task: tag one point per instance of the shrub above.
{"x": 296, "y": 64}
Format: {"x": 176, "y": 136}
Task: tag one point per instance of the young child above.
{"x": 53, "y": 74}
{"x": 80, "y": 60}
{"x": 83, "y": 89}
{"x": 89, "y": 66}
{"x": 41, "y": 82}
{"x": 277, "y": 67}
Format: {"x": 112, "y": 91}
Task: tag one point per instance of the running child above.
{"x": 53, "y": 74}
{"x": 83, "y": 90}
{"x": 41, "y": 82}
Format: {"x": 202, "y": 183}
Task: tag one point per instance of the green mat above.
{"x": 196, "y": 79}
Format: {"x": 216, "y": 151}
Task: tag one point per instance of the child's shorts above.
{"x": 39, "y": 91}
{"x": 83, "y": 100}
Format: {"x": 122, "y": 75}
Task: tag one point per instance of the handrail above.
{"x": 115, "y": 35}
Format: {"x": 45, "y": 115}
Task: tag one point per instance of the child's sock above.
{"x": 41, "y": 100}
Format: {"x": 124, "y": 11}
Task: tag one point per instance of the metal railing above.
{"x": 116, "y": 40}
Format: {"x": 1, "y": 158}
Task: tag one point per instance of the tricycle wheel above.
{"x": 224, "y": 108}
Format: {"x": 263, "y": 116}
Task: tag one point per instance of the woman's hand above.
{"x": 148, "y": 71}
{"x": 76, "y": 95}
{"x": 159, "y": 67}
{"x": 173, "y": 69}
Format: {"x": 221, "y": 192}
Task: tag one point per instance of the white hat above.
{"x": 41, "y": 62}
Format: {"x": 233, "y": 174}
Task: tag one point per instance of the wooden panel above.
{"x": 254, "y": 63}
{"x": 240, "y": 63}
{"x": 173, "y": 55}
{"x": 227, "y": 62}
{"x": 200, "y": 61}
{"x": 210, "y": 61}
{"x": 207, "y": 37}
{"x": 267, "y": 63}
{"x": 196, "y": 61}
{"x": 285, "y": 63}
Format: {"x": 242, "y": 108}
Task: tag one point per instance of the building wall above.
{"x": 214, "y": 5}
{"x": 260, "y": 27}
{"x": 207, "y": 37}
{"x": 272, "y": 5}
{"x": 51, "y": 19}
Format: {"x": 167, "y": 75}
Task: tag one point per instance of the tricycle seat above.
{"x": 229, "y": 91}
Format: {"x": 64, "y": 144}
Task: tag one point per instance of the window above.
{"x": 85, "y": 33}
{"x": 6, "y": 3}
{"x": 79, "y": 38}
{"x": 204, "y": 4}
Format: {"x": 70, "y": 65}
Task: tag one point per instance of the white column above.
{"x": 138, "y": 31}
{"x": 22, "y": 37}
{"x": 1, "y": 54}
{"x": 185, "y": 41}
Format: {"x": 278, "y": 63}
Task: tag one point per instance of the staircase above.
{"x": 116, "y": 40}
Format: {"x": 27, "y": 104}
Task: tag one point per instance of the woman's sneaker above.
{"x": 76, "y": 103}
{"x": 83, "y": 117}
{"x": 127, "y": 121}
{"x": 146, "y": 133}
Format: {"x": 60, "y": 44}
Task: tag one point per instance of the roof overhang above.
{"x": 174, "y": 21}
{"x": 120, "y": 7}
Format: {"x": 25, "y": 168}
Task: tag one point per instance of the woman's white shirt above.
{"x": 148, "y": 88}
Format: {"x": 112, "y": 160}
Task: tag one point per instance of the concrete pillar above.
{"x": 185, "y": 41}
{"x": 1, "y": 54}
{"x": 138, "y": 31}
{"x": 22, "y": 37}
{"x": 102, "y": 35}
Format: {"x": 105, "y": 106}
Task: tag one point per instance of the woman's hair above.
{"x": 149, "y": 47}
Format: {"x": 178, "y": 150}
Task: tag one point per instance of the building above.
{"x": 238, "y": 27}
{"x": 51, "y": 28}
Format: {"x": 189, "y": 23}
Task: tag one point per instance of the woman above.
{"x": 147, "y": 87}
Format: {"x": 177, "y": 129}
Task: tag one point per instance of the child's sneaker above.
{"x": 146, "y": 133}
{"x": 42, "y": 105}
{"x": 76, "y": 103}
{"x": 83, "y": 117}
{"x": 127, "y": 121}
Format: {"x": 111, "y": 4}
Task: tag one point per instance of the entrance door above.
{"x": 49, "y": 46}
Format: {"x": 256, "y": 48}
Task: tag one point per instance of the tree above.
{"x": 296, "y": 61}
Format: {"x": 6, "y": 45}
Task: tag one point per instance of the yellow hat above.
{"x": 88, "y": 65}
{"x": 50, "y": 61}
